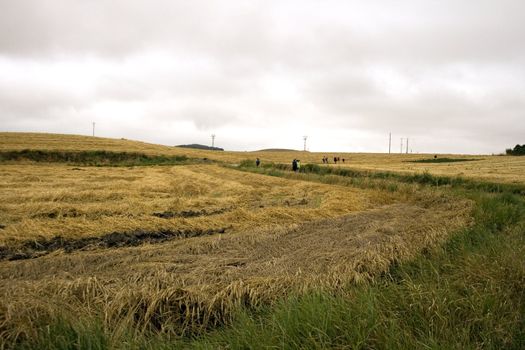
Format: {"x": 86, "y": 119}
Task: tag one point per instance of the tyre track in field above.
{"x": 35, "y": 248}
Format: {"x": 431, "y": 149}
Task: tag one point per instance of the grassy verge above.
{"x": 366, "y": 178}
{"x": 467, "y": 294}
{"x": 93, "y": 158}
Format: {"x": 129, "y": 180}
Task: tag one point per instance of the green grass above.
{"x": 357, "y": 177}
{"x": 467, "y": 294}
{"x": 93, "y": 158}
{"x": 61, "y": 334}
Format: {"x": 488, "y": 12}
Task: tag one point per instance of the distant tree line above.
{"x": 516, "y": 151}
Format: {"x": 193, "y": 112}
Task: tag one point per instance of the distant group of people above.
{"x": 296, "y": 163}
{"x": 336, "y": 159}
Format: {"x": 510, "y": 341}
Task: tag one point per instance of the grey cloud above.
{"x": 117, "y": 27}
{"x": 35, "y": 104}
{"x": 426, "y": 69}
{"x": 429, "y": 112}
{"x": 302, "y": 32}
{"x": 208, "y": 117}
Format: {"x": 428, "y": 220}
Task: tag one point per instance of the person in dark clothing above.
{"x": 257, "y": 162}
{"x": 335, "y": 160}
{"x": 294, "y": 165}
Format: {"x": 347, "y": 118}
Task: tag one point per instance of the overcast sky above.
{"x": 447, "y": 74}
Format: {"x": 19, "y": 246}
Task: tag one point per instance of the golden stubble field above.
{"x": 238, "y": 238}
{"x": 507, "y": 169}
{"x": 43, "y": 201}
{"x": 280, "y": 236}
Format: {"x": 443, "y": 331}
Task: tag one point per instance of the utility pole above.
{"x": 212, "y": 140}
{"x": 407, "y": 145}
{"x": 93, "y": 129}
{"x": 304, "y": 138}
{"x": 389, "y": 142}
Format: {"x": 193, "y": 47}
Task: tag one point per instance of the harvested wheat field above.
{"x": 494, "y": 168}
{"x": 186, "y": 284}
{"x": 176, "y": 249}
{"x": 41, "y": 202}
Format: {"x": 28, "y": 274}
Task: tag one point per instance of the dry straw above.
{"x": 282, "y": 236}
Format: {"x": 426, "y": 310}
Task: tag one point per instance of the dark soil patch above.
{"x": 56, "y": 214}
{"x": 36, "y": 248}
{"x": 236, "y": 264}
{"x": 2, "y": 227}
{"x": 189, "y": 213}
{"x": 293, "y": 203}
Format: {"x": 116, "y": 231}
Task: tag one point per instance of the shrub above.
{"x": 519, "y": 150}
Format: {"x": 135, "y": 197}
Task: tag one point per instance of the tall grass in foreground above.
{"x": 467, "y": 294}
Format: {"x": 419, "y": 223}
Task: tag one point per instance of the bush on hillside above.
{"x": 517, "y": 151}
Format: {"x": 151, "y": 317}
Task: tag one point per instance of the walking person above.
{"x": 294, "y": 165}
{"x": 257, "y": 162}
